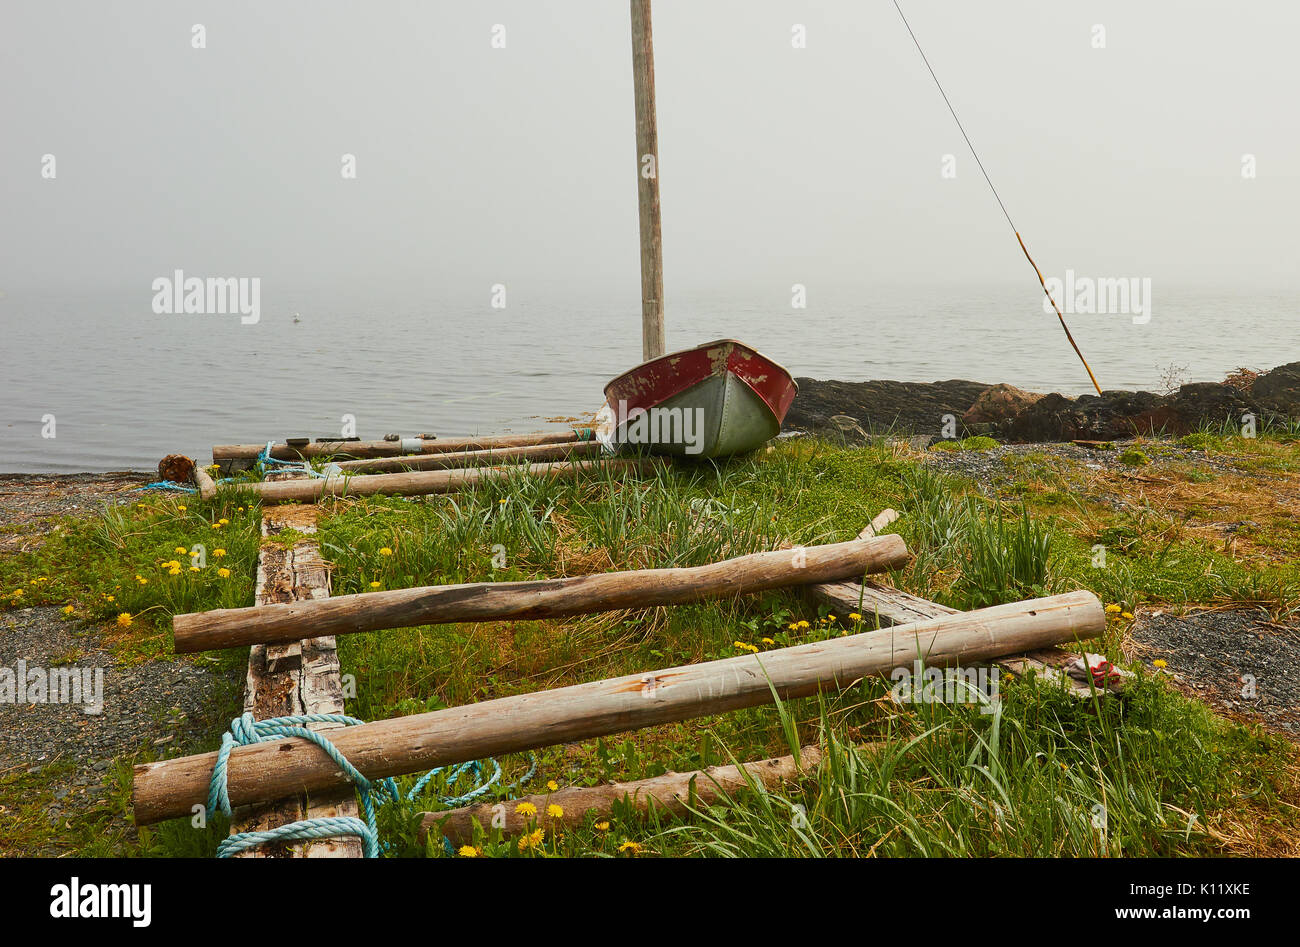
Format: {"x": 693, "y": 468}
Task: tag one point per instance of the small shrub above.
{"x": 971, "y": 443}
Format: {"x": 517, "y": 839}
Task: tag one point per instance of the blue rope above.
{"x": 167, "y": 485}
{"x": 264, "y": 460}
{"x": 246, "y": 731}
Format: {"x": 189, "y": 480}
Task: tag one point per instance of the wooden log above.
{"x": 267, "y": 771}
{"x": 647, "y": 177}
{"x": 883, "y": 519}
{"x": 670, "y": 792}
{"x": 472, "y": 458}
{"x": 207, "y": 486}
{"x": 889, "y": 606}
{"x": 548, "y": 598}
{"x": 301, "y": 677}
{"x": 421, "y": 482}
{"x": 410, "y": 445}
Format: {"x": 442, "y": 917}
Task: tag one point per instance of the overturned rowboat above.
{"x": 714, "y": 400}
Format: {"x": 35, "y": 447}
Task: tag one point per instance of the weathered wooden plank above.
{"x": 300, "y": 677}
{"x": 548, "y": 598}
{"x": 268, "y": 771}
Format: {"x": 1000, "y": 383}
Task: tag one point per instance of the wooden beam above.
{"x": 472, "y": 458}
{"x": 297, "y": 678}
{"x": 409, "y": 445}
{"x": 422, "y": 482}
{"x": 671, "y": 792}
{"x": 871, "y": 599}
{"x": 548, "y": 598}
{"x": 268, "y": 771}
{"x": 647, "y": 161}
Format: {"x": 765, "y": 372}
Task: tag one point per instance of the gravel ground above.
{"x": 30, "y": 503}
{"x": 987, "y": 466}
{"x": 1218, "y": 655}
{"x": 157, "y": 704}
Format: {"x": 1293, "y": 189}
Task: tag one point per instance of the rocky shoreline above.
{"x": 962, "y": 408}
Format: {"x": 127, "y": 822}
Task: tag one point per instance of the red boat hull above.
{"x": 742, "y": 395}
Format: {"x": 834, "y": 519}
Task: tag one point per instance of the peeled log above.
{"x": 207, "y": 486}
{"x": 671, "y": 792}
{"x": 472, "y": 458}
{"x": 268, "y": 771}
{"x": 392, "y": 448}
{"x": 548, "y": 598}
{"x": 421, "y": 481}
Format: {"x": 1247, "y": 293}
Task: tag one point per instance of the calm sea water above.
{"x": 126, "y": 386}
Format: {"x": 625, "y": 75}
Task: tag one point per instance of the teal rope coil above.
{"x": 246, "y": 731}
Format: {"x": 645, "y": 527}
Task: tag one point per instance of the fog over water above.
{"x": 1167, "y": 155}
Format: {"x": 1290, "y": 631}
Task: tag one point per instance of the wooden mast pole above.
{"x": 647, "y": 153}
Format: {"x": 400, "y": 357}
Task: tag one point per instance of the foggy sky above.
{"x": 777, "y": 165}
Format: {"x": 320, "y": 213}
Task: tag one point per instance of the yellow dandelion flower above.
{"x": 124, "y": 619}
{"x": 531, "y": 840}
{"x": 552, "y": 785}
{"x": 1160, "y": 663}
{"x": 179, "y": 550}
{"x": 854, "y": 616}
{"x": 223, "y": 573}
{"x": 602, "y": 826}
{"x": 630, "y": 848}
{"x": 526, "y": 809}
{"x": 385, "y": 551}
{"x": 468, "y": 851}
{"x": 218, "y": 552}
{"x": 554, "y": 811}
{"x": 1112, "y": 609}
{"x": 768, "y": 641}
{"x": 830, "y": 617}
{"x": 1127, "y": 616}
{"x": 375, "y": 585}
{"x": 223, "y": 521}
{"x": 194, "y": 568}
{"x": 803, "y": 624}
{"x": 67, "y": 609}
{"x": 182, "y": 507}
{"x": 18, "y": 593}
{"x": 110, "y": 598}
{"x": 793, "y": 626}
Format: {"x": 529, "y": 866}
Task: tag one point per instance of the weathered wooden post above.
{"x": 647, "y": 159}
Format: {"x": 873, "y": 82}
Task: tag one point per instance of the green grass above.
{"x": 897, "y": 779}
{"x": 978, "y": 442}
